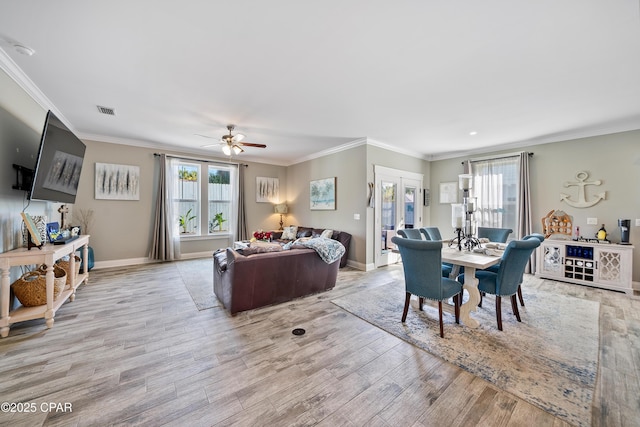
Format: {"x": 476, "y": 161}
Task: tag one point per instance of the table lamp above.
{"x": 282, "y": 209}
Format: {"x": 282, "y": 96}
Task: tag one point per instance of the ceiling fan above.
{"x": 232, "y": 143}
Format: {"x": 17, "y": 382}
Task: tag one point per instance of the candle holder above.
{"x": 462, "y": 217}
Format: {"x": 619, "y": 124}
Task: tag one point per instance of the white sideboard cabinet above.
{"x": 604, "y": 265}
{"x": 47, "y": 255}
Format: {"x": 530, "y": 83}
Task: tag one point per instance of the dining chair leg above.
{"x": 420, "y": 303}
{"x": 456, "y": 304}
{"x": 480, "y": 303}
{"x": 514, "y": 306}
{"x": 406, "y": 306}
{"x": 499, "y": 311}
{"x": 520, "y": 295}
{"x": 440, "y": 315}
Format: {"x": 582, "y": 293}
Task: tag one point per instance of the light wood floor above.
{"x": 132, "y": 349}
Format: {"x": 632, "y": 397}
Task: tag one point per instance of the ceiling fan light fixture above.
{"x": 237, "y": 149}
{"x": 226, "y": 149}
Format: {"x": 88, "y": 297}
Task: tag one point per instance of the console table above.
{"x": 47, "y": 255}
{"x": 603, "y": 265}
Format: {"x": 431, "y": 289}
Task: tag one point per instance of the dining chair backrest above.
{"x": 512, "y": 265}
{"x": 431, "y": 233}
{"x": 410, "y": 233}
{"x": 499, "y": 235}
{"x": 421, "y": 260}
{"x": 534, "y": 236}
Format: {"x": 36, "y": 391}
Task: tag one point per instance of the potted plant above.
{"x": 217, "y": 222}
{"x": 185, "y": 220}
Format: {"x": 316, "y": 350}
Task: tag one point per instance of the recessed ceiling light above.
{"x": 472, "y": 133}
{"x": 23, "y": 50}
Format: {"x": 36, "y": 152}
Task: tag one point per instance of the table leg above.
{"x": 471, "y": 285}
{"x": 4, "y": 301}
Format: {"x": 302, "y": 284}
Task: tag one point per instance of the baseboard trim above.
{"x": 140, "y": 261}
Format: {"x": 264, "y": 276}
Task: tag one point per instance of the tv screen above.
{"x": 57, "y": 172}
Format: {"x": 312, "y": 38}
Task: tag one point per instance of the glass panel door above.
{"x": 388, "y": 212}
{"x": 398, "y": 205}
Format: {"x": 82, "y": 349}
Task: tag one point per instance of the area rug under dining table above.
{"x": 550, "y": 359}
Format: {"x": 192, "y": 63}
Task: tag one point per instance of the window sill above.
{"x": 191, "y": 237}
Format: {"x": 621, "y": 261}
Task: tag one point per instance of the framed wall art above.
{"x": 267, "y": 190}
{"x": 449, "y": 192}
{"x": 322, "y": 194}
{"x": 117, "y": 182}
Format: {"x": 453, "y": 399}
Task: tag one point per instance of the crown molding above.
{"x": 333, "y": 150}
{"x": 15, "y": 72}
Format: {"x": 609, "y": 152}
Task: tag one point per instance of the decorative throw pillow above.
{"x": 289, "y": 233}
{"x": 327, "y": 234}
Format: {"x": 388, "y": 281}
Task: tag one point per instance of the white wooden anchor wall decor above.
{"x": 581, "y": 182}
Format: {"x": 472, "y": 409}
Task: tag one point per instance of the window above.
{"x": 205, "y": 207}
{"x": 219, "y": 192}
{"x": 495, "y": 184}
{"x": 188, "y": 197}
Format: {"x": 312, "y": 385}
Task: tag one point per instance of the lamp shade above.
{"x": 281, "y": 208}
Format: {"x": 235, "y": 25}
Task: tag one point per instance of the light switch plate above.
{"x": 592, "y": 221}
{"x": 637, "y": 222}
{"x": 356, "y": 216}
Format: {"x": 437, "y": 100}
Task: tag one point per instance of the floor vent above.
{"x": 107, "y": 110}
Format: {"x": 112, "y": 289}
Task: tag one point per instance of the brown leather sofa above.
{"x": 341, "y": 236}
{"x": 246, "y": 282}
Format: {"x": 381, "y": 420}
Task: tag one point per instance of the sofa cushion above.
{"x": 327, "y": 234}
{"x": 304, "y": 232}
{"x": 289, "y": 233}
{"x": 260, "y": 248}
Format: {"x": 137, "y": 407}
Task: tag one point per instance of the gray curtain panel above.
{"x": 524, "y": 208}
{"x": 163, "y": 245}
{"x": 241, "y": 229}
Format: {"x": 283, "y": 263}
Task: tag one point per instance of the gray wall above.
{"x": 351, "y": 196}
{"x": 614, "y": 159}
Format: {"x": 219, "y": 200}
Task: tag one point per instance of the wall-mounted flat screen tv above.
{"x": 57, "y": 172}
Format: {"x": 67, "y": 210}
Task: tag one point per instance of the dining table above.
{"x": 471, "y": 261}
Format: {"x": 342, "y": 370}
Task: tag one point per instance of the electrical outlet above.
{"x": 356, "y": 216}
{"x": 592, "y": 221}
{"x": 637, "y": 222}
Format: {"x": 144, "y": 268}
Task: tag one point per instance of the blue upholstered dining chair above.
{"x": 421, "y": 261}
{"x": 433, "y": 233}
{"x": 506, "y": 281}
{"x": 410, "y": 233}
{"x": 496, "y": 267}
{"x": 499, "y": 235}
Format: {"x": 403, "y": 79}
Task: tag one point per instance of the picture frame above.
{"x": 448, "y": 192}
{"x": 267, "y": 190}
{"x": 34, "y": 233}
{"x": 322, "y": 194}
{"x": 117, "y": 182}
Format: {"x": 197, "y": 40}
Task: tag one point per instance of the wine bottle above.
{"x": 602, "y": 233}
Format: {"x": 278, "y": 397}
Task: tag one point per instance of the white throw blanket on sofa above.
{"x": 328, "y": 249}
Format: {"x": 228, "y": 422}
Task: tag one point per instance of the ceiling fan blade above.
{"x": 250, "y": 144}
{"x": 204, "y": 136}
{"x": 237, "y": 137}
{"x": 217, "y": 144}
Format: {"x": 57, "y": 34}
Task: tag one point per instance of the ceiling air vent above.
{"x": 107, "y": 110}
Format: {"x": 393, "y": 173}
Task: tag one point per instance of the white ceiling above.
{"x": 306, "y": 77}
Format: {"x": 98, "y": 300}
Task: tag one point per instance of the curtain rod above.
{"x": 503, "y": 156}
{"x": 201, "y": 160}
